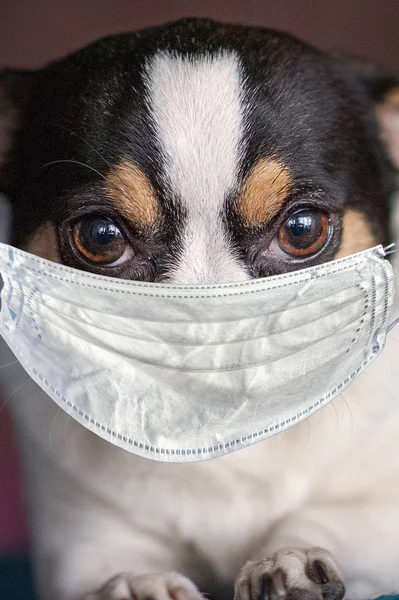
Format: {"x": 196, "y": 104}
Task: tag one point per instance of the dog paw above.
{"x": 164, "y": 586}
{"x": 291, "y": 574}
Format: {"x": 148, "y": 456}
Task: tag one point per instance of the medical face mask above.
{"x": 182, "y": 373}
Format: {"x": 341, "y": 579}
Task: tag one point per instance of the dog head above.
{"x": 198, "y": 153}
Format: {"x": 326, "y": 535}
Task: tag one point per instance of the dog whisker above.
{"x": 66, "y": 428}
{"x": 290, "y": 158}
{"x": 13, "y": 393}
{"x": 71, "y": 131}
{"x": 332, "y": 404}
{"x": 52, "y": 425}
{"x": 388, "y": 391}
{"x": 14, "y": 362}
{"x": 76, "y": 162}
{"x": 346, "y": 403}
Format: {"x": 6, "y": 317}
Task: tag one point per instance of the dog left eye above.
{"x": 100, "y": 241}
{"x": 304, "y": 233}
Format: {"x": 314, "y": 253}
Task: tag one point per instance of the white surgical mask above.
{"x": 182, "y": 373}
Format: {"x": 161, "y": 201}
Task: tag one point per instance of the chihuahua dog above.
{"x": 192, "y": 153}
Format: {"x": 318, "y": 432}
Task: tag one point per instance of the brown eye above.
{"x": 99, "y": 241}
{"x": 304, "y": 232}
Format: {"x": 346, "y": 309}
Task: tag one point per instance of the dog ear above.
{"x": 388, "y": 118}
{"x": 15, "y": 91}
{"x": 383, "y": 90}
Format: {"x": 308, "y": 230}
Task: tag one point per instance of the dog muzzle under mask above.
{"x": 183, "y": 373}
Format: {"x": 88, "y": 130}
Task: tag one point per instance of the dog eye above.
{"x": 304, "y": 233}
{"x": 100, "y": 241}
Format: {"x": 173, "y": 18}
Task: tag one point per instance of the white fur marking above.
{"x": 197, "y": 109}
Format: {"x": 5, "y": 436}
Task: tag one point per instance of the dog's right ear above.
{"x": 15, "y": 91}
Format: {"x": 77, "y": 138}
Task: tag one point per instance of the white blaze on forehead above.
{"x": 197, "y": 110}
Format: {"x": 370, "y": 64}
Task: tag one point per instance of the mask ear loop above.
{"x": 392, "y": 325}
{"x": 389, "y": 249}
{"x": 396, "y": 321}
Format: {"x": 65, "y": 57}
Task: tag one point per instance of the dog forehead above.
{"x": 197, "y": 109}
{"x": 194, "y": 104}
{"x": 119, "y": 61}
{"x": 118, "y": 77}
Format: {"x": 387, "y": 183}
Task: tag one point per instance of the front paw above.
{"x": 164, "y": 586}
{"x": 291, "y": 574}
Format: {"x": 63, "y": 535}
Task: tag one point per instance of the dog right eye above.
{"x": 100, "y": 241}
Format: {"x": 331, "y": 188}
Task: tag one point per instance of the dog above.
{"x": 190, "y": 153}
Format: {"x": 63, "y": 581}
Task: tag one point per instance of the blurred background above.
{"x": 33, "y": 33}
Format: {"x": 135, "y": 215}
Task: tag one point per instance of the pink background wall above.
{"x": 33, "y": 33}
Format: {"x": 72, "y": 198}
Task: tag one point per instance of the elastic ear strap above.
{"x": 5, "y": 219}
{"x": 392, "y": 325}
{"x": 395, "y": 226}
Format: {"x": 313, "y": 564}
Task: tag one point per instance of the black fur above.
{"x": 312, "y": 111}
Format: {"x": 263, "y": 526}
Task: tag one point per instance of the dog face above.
{"x": 197, "y": 153}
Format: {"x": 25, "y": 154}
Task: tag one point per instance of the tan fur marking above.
{"x": 132, "y": 194}
{"x": 44, "y": 244}
{"x": 388, "y": 118}
{"x": 264, "y": 191}
{"x": 393, "y": 97}
{"x": 356, "y": 234}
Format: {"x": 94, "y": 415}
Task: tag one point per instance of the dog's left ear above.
{"x": 15, "y": 92}
{"x": 388, "y": 118}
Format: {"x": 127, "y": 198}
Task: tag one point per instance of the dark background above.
{"x": 35, "y": 31}
{"x": 32, "y": 32}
